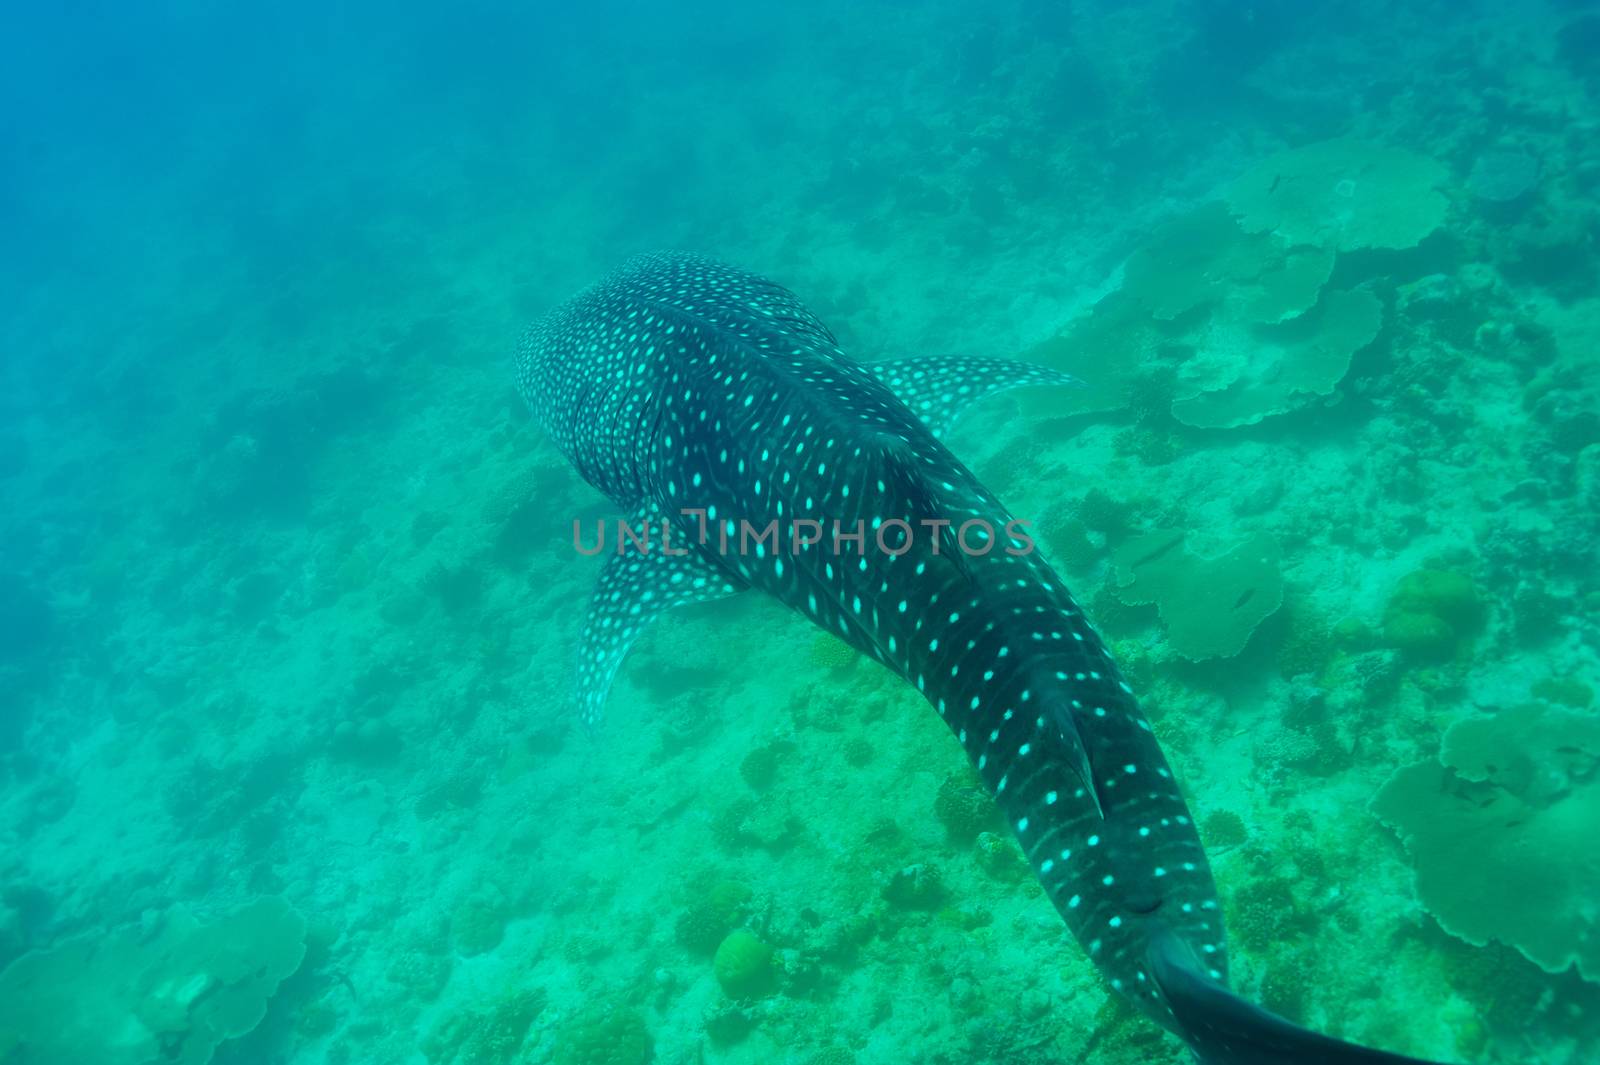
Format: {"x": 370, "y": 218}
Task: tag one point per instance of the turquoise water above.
{"x": 289, "y": 604}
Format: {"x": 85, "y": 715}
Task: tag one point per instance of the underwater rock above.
{"x": 712, "y": 912}
{"x": 26, "y": 620}
{"x": 260, "y": 457}
{"x": 1000, "y": 857}
{"x": 486, "y": 1037}
{"x": 1503, "y": 176}
{"x": 1501, "y": 831}
{"x": 603, "y": 1037}
{"x": 1578, "y": 45}
{"x": 1210, "y": 606}
{"x": 421, "y": 974}
{"x": 729, "y": 1022}
{"x": 916, "y": 887}
{"x": 479, "y": 922}
{"x": 768, "y": 823}
{"x": 1342, "y": 194}
{"x": 760, "y": 767}
{"x": 171, "y": 992}
{"x": 1564, "y": 691}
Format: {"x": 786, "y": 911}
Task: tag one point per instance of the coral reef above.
{"x": 1204, "y": 259}
{"x": 743, "y": 965}
{"x": 1240, "y": 379}
{"x": 915, "y": 887}
{"x": 288, "y": 598}
{"x": 1209, "y": 606}
{"x": 964, "y": 808}
{"x": 1430, "y": 612}
{"x": 603, "y": 1036}
{"x": 169, "y": 993}
{"x": 1343, "y": 194}
{"x": 830, "y": 653}
{"x": 491, "y": 1036}
{"x": 714, "y": 909}
{"x": 1244, "y": 316}
{"x": 1223, "y": 828}
{"x": 1503, "y": 176}
{"x": 478, "y": 922}
{"x": 1501, "y": 830}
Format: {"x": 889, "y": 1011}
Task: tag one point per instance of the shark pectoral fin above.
{"x": 634, "y": 587}
{"x": 1078, "y": 756}
{"x": 939, "y": 388}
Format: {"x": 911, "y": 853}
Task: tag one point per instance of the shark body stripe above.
{"x": 679, "y": 384}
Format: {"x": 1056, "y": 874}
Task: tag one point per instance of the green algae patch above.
{"x": 1209, "y": 606}
{"x": 1501, "y": 831}
{"x": 1246, "y": 373}
{"x": 743, "y": 965}
{"x": 138, "y": 996}
{"x": 1342, "y": 194}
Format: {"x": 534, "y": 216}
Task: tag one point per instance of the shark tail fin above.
{"x": 1223, "y": 1029}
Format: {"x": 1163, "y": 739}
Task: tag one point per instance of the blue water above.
{"x": 288, "y": 605}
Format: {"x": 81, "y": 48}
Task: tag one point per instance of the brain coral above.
{"x": 1342, "y": 194}
{"x": 1501, "y": 829}
{"x": 1210, "y": 605}
{"x": 743, "y": 965}
{"x": 132, "y": 997}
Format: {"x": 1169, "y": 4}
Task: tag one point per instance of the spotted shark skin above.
{"x": 693, "y": 393}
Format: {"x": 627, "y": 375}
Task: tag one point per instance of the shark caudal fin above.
{"x": 1223, "y": 1029}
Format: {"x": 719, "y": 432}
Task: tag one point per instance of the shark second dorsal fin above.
{"x": 940, "y": 388}
{"x": 636, "y": 585}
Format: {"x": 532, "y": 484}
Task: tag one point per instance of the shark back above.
{"x": 601, "y": 373}
{"x": 713, "y": 403}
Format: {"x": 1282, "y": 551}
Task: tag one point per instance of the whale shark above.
{"x": 751, "y": 454}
